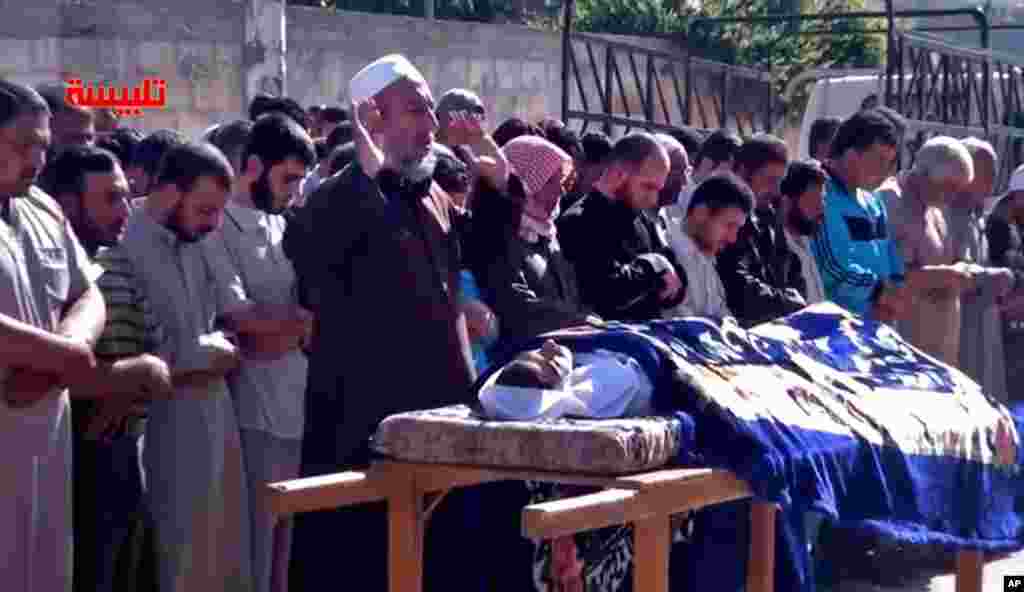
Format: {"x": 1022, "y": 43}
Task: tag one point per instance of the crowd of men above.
{"x": 184, "y": 321}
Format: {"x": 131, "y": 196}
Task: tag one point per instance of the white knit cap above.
{"x": 380, "y": 74}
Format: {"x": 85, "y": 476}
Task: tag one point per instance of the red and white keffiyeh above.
{"x": 536, "y": 160}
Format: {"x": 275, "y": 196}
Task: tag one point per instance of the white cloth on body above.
{"x": 602, "y": 385}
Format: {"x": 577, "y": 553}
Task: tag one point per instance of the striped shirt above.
{"x": 132, "y": 329}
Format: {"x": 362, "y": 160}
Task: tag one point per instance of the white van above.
{"x": 837, "y": 97}
{"x": 844, "y": 95}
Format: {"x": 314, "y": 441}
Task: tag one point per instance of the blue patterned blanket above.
{"x": 823, "y": 411}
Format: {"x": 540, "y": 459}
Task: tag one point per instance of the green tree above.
{"x": 629, "y": 17}
{"x": 469, "y": 10}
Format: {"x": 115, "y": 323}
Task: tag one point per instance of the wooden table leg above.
{"x": 969, "y": 568}
{"x": 651, "y": 542}
{"x": 761, "y": 567}
{"x": 405, "y": 536}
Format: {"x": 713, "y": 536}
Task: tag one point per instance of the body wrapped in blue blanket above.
{"x": 824, "y": 412}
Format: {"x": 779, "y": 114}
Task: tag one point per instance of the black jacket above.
{"x": 604, "y": 241}
{"x": 761, "y": 276}
{"x": 532, "y": 288}
{"x": 1005, "y": 247}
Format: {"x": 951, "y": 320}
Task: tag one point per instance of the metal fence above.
{"x": 618, "y": 87}
{"x": 940, "y": 89}
{"x": 943, "y": 89}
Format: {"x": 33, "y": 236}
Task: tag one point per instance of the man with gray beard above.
{"x": 917, "y": 202}
{"x": 389, "y": 333}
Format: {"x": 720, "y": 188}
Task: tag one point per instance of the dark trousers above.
{"x": 352, "y": 543}
{"x": 108, "y": 510}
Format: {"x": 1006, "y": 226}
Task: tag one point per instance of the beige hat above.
{"x": 380, "y": 74}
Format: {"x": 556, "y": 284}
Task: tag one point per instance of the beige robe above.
{"x": 923, "y": 237}
{"x": 43, "y": 269}
{"x": 196, "y": 488}
{"x": 981, "y": 335}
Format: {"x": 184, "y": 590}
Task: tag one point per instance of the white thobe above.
{"x": 43, "y": 269}
{"x": 705, "y": 294}
{"x": 801, "y": 245}
{"x": 196, "y": 486}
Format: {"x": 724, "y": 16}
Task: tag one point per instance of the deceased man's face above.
{"x": 549, "y": 366}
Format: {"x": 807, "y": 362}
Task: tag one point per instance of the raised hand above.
{"x": 491, "y": 163}
{"x": 366, "y": 117}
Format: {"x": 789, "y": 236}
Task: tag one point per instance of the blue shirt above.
{"x": 854, "y": 247}
{"x": 471, "y": 291}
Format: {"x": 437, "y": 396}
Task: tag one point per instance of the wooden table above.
{"x": 645, "y": 500}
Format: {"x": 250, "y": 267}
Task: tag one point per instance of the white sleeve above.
{"x": 512, "y": 403}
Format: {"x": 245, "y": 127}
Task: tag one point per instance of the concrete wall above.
{"x": 515, "y": 70}
{"x": 195, "y": 46}
{"x": 198, "y": 48}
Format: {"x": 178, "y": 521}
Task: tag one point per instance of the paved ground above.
{"x": 994, "y": 572}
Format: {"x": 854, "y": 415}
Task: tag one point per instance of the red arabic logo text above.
{"x": 151, "y": 94}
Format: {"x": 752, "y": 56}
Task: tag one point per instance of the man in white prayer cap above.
{"x": 390, "y": 335}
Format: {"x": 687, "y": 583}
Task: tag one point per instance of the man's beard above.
{"x": 176, "y": 224}
{"x": 670, "y": 194}
{"x": 263, "y": 197}
{"x": 704, "y": 245}
{"x": 24, "y": 182}
{"x": 624, "y": 195}
{"x": 699, "y": 239}
{"x": 92, "y": 235}
{"x": 418, "y": 169}
{"x": 803, "y": 225}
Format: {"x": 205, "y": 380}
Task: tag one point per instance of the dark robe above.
{"x": 388, "y": 290}
{"x": 383, "y": 256}
{"x": 1006, "y": 249}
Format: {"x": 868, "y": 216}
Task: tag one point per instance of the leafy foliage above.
{"x": 468, "y": 10}
{"x": 629, "y": 17}
{"x": 757, "y": 44}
